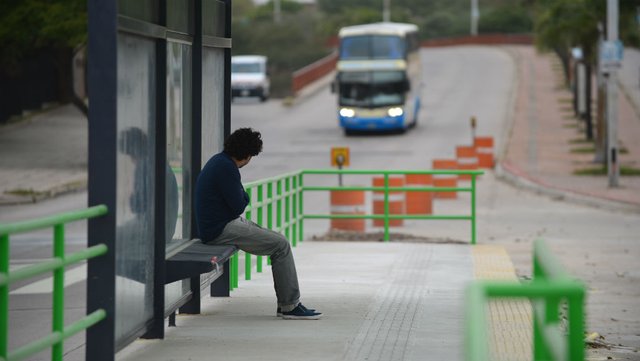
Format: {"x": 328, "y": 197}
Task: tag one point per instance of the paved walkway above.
{"x": 546, "y": 145}
{"x": 396, "y": 301}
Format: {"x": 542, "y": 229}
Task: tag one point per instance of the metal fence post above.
{"x": 287, "y": 207}
{"x": 473, "y": 209}
{"x": 247, "y": 256}
{"x": 259, "y": 221}
{"x": 386, "y": 207}
{"x": 294, "y": 212}
{"x": 57, "y": 320}
{"x": 301, "y": 207}
{"x": 4, "y": 294}
{"x": 576, "y": 327}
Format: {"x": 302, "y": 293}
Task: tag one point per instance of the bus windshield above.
{"x": 372, "y": 89}
{"x": 372, "y": 47}
{"x": 245, "y": 68}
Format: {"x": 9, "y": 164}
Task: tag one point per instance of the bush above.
{"x": 506, "y": 19}
{"x": 290, "y": 45}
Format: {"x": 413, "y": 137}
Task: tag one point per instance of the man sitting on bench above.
{"x": 220, "y": 199}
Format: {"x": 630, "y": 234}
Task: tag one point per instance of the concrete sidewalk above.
{"x": 43, "y": 156}
{"x": 394, "y": 301}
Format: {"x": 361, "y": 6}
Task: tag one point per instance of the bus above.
{"x": 378, "y": 81}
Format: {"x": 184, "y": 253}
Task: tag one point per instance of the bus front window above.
{"x": 363, "y": 47}
{"x": 372, "y": 89}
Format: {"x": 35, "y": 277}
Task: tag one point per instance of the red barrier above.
{"x": 313, "y": 72}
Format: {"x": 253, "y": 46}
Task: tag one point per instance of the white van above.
{"x": 249, "y": 77}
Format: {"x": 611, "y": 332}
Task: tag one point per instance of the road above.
{"x": 597, "y": 245}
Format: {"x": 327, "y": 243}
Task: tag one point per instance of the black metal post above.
{"x": 221, "y": 286}
{"x": 193, "y": 305}
{"x": 102, "y": 86}
{"x": 156, "y": 329}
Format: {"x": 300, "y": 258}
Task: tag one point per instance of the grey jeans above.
{"x": 251, "y": 238}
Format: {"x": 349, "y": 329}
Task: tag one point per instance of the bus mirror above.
{"x": 407, "y": 85}
{"x": 333, "y": 86}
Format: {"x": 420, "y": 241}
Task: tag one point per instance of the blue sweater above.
{"x": 219, "y": 196}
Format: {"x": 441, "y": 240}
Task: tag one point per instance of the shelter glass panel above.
{"x": 213, "y": 18}
{"x": 179, "y": 14}
{"x": 145, "y": 10}
{"x": 135, "y": 202}
{"x": 178, "y": 195}
{"x": 212, "y": 102}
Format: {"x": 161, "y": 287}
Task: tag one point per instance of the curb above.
{"x": 8, "y": 199}
{"x": 518, "y": 178}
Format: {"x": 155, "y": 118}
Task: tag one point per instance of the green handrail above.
{"x": 550, "y": 288}
{"x": 386, "y": 189}
{"x": 267, "y": 193}
{"x": 57, "y": 265}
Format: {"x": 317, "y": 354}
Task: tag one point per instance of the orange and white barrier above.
{"x": 396, "y": 201}
{"x": 467, "y": 160}
{"x": 418, "y": 202}
{"x": 348, "y": 202}
{"x": 484, "y": 151}
{"x": 445, "y": 180}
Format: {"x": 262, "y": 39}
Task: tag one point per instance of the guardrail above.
{"x": 550, "y": 289}
{"x": 277, "y": 204}
{"x": 57, "y": 265}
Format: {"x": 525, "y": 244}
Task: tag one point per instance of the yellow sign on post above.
{"x": 340, "y": 157}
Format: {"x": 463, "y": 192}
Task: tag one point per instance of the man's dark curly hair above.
{"x": 243, "y": 143}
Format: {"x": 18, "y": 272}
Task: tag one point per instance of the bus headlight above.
{"x": 347, "y": 112}
{"x": 395, "y": 112}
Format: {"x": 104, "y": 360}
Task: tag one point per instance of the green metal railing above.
{"x": 57, "y": 265}
{"x": 277, "y": 204}
{"x": 551, "y": 288}
{"x": 386, "y": 189}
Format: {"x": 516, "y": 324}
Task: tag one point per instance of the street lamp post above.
{"x": 612, "y": 99}
{"x": 475, "y": 14}
{"x": 276, "y": 11}
{"x": 386, "y": 11}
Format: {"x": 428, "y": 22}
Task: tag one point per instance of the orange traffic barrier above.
{"x": 484, "y": 151}
{"x": 347, "y": 202}
{"x": 467, "y": 160}
{"x": 396, "y": 201}
{"x": 445, "y": 180}
{"x": 418, "y": 202}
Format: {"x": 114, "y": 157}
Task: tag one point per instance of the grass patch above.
{"x": 580, "y": 141}
{"x": 565, "y": 100}
{"x": 570, "y": 125}
{"x": 584, "y": 150}
{"x": 602, "y": 170}
{"x": 23, "y": 192}
{"x": 567, "y": 110}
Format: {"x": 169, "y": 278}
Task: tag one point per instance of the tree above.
{"x": 44, "y": 29}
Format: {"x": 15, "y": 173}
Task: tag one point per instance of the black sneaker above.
{"x": 279, "y": 310}
{"x": 301, "y": 313}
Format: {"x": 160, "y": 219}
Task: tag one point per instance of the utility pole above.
{"x": 612, "y": 93}
{"x": 386, "y": 11}
{"x": 475, "y": 14}
{"x": 276, "y": 11}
